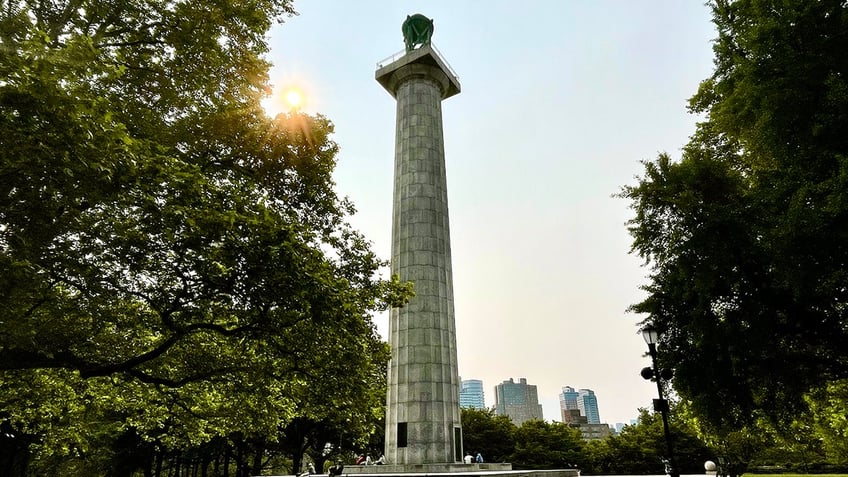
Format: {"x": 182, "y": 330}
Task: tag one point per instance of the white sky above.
{"x": 560, "y": 101}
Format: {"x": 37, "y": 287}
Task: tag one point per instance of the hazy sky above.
{"x": 560, "y": 102}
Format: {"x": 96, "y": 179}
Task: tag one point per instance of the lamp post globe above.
{"x": 650, "y": 335}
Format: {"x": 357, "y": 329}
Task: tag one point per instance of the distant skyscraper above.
{"x": 519, "y": 401}
{"x": 583, "y": 400}
{"x": 593, "y": 431}
{"x": 567, "y": 403}
{"x": 471, "y": 394}
{"x": 588, "y": 405}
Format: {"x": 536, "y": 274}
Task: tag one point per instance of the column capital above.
{"x": 421, "y": 62}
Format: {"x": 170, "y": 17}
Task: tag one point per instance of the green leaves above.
{"x": 547, "y": 445}
{"x": 746, "y": 233}
{"x": 484, "y": 432}
{"x": 175, "y": 266}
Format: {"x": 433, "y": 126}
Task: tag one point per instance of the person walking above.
{"x": 479, "y": 458}
{"x": 468, "y": 458}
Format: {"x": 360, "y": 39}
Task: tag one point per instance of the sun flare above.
{"x": 284, "y": 100}
{"x": 294, "y": 98}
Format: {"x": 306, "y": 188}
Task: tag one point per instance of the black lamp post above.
{"x": 650, "y": 334}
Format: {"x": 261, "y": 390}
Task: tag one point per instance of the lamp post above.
{"x": 649, "y": 333}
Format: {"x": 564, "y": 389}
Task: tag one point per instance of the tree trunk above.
{"x": 227, "y": 462}
{"x": 257, "y": 459}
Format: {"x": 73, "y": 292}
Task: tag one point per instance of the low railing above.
{"x": 391, "y": 59}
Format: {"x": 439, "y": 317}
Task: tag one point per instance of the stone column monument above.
{"x": 422, "y": 415}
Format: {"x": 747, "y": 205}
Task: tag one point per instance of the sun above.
{"x": 284, "y": 100}
{"x": 294, "y": 98}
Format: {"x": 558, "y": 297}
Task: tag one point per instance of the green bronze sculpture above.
{"x": 417, "y": 30}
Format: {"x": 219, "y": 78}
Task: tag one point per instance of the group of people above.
{"x": 365, "y": 459}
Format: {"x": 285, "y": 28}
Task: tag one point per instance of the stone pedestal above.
{"x": 422, "y": 470}
{"x": 422, "y": 416}
{"x": 450, "y": 470}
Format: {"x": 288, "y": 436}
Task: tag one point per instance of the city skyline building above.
{"x": 593, "y": 431}
{"x": 471, "y": 395}
{"x": 587, "y": 402}
{"x": 519, "y": 401}
{"x": 582, "y": 400}
{"x": 619, "y": 426}
{"x": 567, "y": 403}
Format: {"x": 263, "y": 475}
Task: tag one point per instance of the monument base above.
{"x": 451, "y": 470}
{"x": 425, "y": 469}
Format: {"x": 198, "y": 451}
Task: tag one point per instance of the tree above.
{"x": 829, "y": 408}
{"x": 174, "y": 265}
{"x": 491, "y": 435}
{"x": 547, "y": 445}
{"x": 641, "y": 447}
{"x": 746, "y": 233}
{"x": 638, "y": 449}
{"x": 344, "y": 425}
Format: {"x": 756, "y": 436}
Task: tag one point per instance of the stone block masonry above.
{"x": 422, "y": 403}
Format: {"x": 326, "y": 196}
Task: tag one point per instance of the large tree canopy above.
{"x": 747, "y": 233}
{"x": 167, "y": 252}
{"x": 485, "y": 432}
